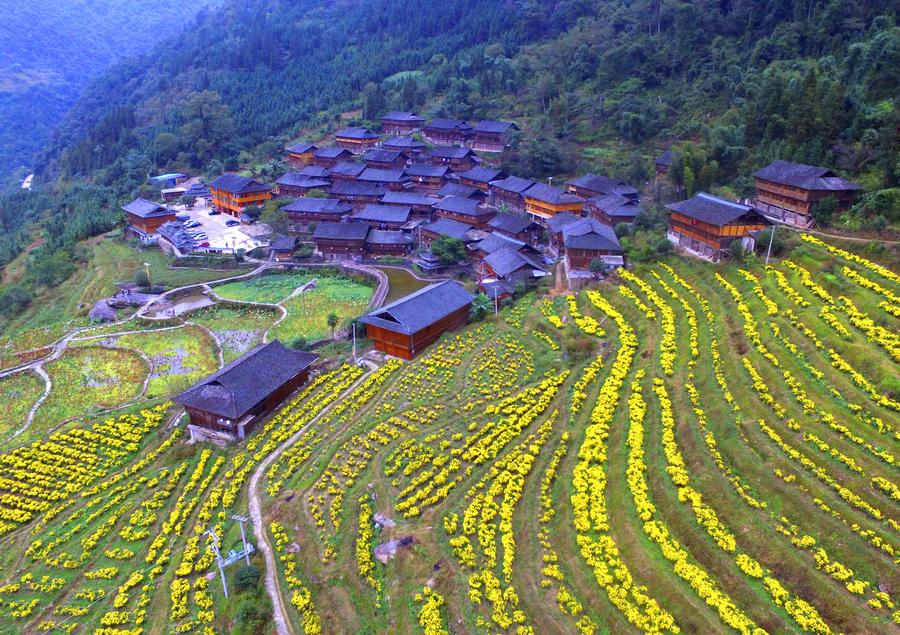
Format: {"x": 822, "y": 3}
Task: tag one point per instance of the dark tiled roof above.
{"x": 808, "y": 177}
{"x": 301, "y": 180}
{"x": 332, "y": 152}
{"x": 450, "y": 152}
{"x": 174, "y": 232}
{"x": 449, "y": 124}
{"x": 380, "y": 155}
{"x": 341, "y": 231}
{"x": 408, "y": 117}
{"x": 550, "y": 194}
{"x": 616, "y": 205}
{"x": 403, "y": 143}
{"x": 459, "y": 205}
{"x": 559, "y": 221}
{"x": 496, "y": 288}
{"x": 513, "y": 184}
{"x": 495, "y": 242}
{"x": 448, "y": 227}
{"x": 495, "y": 127}
{"x": 507, "y": 260}
{"x": 383, "y": 214}
{"x": 347, "y": 168}
{"x": 458, "y": 190}
{"x": 602, "y": 185}
{"x": 421, "y": 309}
{"x": 384, "y": 237}
{"x": 405, "y": 198}
{"x": 511, "y": 223}
{"x": 375, "y": 175}
{"x": 198, "y": 190}
{"x": 147, "y": 209}
{"x": 315, "y": 172}
{"x": 237, "y": 184}
{"x": 355, "y": 188}
{"x": 318, "y": 206}
{"x": 355, "y": 133}
{"x": 710, "y": 209}
{"x": 588, "y": 233}
{"x": 425, "y": 169}
{"x": 481, "y": 174}
{"x": 236, "y": 389}
{"x": 283, "y": 243}
{"x": 665, "y": 158}
{"x": 301, "y": 148}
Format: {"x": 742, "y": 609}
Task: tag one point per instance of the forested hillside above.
{"x": 53, "y": 48}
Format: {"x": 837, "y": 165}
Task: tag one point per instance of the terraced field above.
{"x": 694, "y": 449}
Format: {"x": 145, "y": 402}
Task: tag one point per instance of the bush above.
{"x": 246, "y": 579}
{"x": 13, "y": 300}
{"x": 298, "y": 343}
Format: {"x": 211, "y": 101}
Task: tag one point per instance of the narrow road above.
{"x": 279, "y": 606}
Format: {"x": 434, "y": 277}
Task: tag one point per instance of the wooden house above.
{"x": 493, "y": 136}
{"x": 448, "y": 132}
{"x": 382, "y": 216}
{"x": 226, "y": 405}
{"x": 555, "y": 228}
{"x": 170, "y": 194}
{"x": 357, "y": 193}
{"x": 663, "y": 162}
{"x": 493, "y": 242}
{"x": 706, "y": 225}
{"x": 282, "y": 248}
{"x": 786, "y": 192}
{"x": 305, "y": 211}
{"x": 300, "y": 154}
{"x": 145, "y": 218}
{"x": 341, "y": 241}
{"x": 384, "y": 159}
{"x": 444, "y": 227}
{"x": 402, "y": 123}
{"x": 460, "y": 191}
{"x": 346, "y": 171}
{"x": 480, "y": 177}
{"x": 405, "y": 327}
{"x": 464, "y": 210}
{"x": 612, "y": 209}
{"x": 174, "y": 239}
{"x": 420, "y": 205}
{"x": 511, "y": 266}
{"x": 330, "y": 156}
{"x": 522, "y": 228}
{"x": 356, "y": 140}
{"x": 457, "y": 159}
{"x": 297, "y": 184}
{"x": 509, "y": 192}
{"x": 586, "y": 240}
{"x": 427, "y": 178}
{"x": 412, "y": 149}
{"x": 590, "y": 185}
{"x": 232, "y": 194}
{"x": 381, "y": 242}
{"x": 387, "y": 179}
{"x": 545, "y": 201}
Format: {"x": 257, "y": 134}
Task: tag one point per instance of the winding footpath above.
{"x": 279, "y": 606}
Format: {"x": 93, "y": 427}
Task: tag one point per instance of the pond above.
{"x": 172, "y": 308}
{"x": 401, "y": 283}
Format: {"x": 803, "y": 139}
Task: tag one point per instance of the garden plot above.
{"x": 308, "y": 312}
{"x": 179, "y": 357}
{"x": 18, "y": 393}
{"x": 237, "y": 328}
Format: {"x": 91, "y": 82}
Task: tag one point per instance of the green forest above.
{"x": 595, "y": 85}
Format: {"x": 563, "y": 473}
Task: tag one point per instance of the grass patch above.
{"x": 18, "y": 393}
{"x": 238, "y": 328}
{"x": 180, "y": 357}
{"x": 308, "y": 312}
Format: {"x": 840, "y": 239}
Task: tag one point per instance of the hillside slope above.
{"x": 52, "y": 49}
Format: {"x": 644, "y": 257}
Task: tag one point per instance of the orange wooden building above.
{"x": 787, "y": 191}
{"x": 232, "y": 194}
{"x": 356, "y": 140}
{"x": 706, "y": 225}
{"x": 300, "y": 154}
{"x": 407, "y": 326}
{"x": 145, "y": 218}
{"x": 545, "y": 201}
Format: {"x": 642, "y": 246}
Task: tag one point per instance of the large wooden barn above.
{"x": 232, "y": 193}
{"x": 405, "y": 327}
{"x": 706, "y": 225}
{"x": 145, "y": 218}
{"x": 226, "y": 405}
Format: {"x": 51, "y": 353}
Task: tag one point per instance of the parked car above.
{"x": 232, "y": 223}
{"x": 183, "y": 216}
{"x": 213, "y": 212}
{"x": 191, "y": 223}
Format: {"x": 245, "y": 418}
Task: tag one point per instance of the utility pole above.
{"x": 215, "y": 547}
{"x": 242, "y": 520}
{"x": 769, "y": 250}
{"x": 353, "y": 324}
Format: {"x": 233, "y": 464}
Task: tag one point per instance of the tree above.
{"x": 823, "y": 211}
{"x": 332, "y": 320}
{"x": 273, "y": 215}
{"x": 141, "y": 279}
{"x": 448, "y": 250}
{"x": 375, "y": 101}
{"x": 298, "y": 343}
{"x": 188, "y": 201}
{"x": 599, "y": 266}
{"x": 481, "y": 306}
{"x": 13, "y": 300}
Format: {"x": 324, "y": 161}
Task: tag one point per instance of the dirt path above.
{"x": 48, "y": 386}
{"x": 279, "y": 606}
